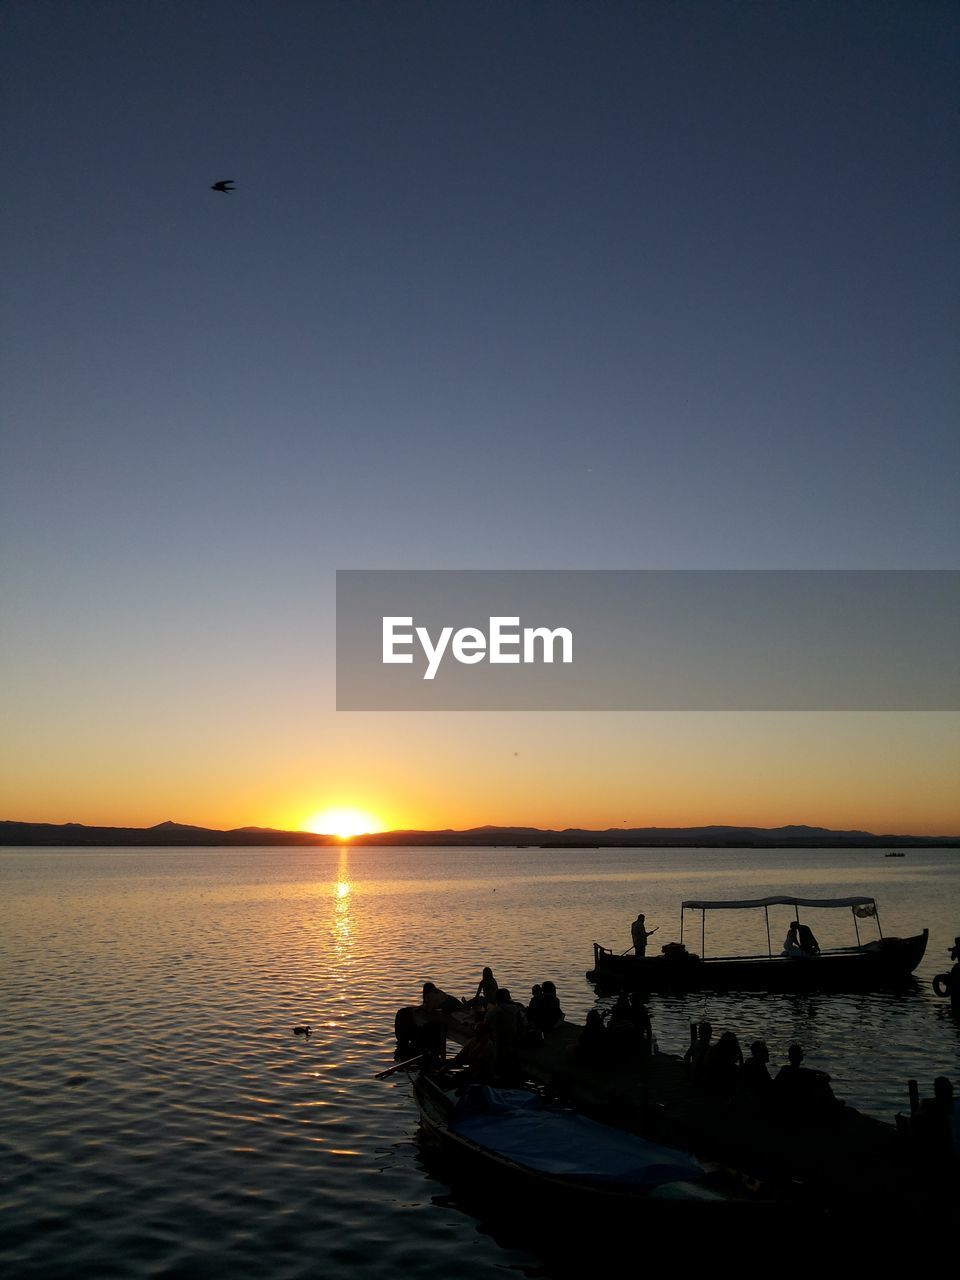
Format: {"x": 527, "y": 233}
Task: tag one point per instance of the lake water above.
{"x": 159, "y": 1118}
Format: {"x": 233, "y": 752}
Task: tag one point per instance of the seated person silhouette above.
{"x": 801, "y": 1093}
{"x": 593, "y": 1045}
{"x": 756, "y": 1083}
{"x": 791, "y": 943}
{"x": 696, "y": 1056}
{"x": 808, "y": 943}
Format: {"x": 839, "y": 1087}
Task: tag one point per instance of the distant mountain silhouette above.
{"x": 170, "y": 833}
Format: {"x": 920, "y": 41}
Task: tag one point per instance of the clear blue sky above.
{"x": 501, "y": 284}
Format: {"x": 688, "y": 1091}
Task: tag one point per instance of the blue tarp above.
{"x": 522, "y": 1127}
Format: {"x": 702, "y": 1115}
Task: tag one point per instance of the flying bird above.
{"x": 225, "y": 185}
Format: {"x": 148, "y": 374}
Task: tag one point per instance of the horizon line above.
{"x": 802, "y": 830}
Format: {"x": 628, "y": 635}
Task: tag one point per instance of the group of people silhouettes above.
{"x": 618, "y": 1035}
{"x": 719, "y": 1068}
{"x": 502, "y": 1026}
{"x": 496, "y": 1025}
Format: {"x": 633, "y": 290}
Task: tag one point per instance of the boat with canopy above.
{"x": 866, "y": 966}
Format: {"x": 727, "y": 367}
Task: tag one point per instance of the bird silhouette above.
{"x": 225, "y": 185}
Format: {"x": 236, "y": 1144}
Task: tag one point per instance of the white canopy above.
{"x": 728, "y": 903}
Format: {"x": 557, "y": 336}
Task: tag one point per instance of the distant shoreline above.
{"x": 177, "y": 835}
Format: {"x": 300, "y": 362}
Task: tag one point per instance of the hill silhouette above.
{"x": 177, "y": 834}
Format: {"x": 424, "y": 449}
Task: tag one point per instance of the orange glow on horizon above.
{"x": 881, "y": 772}
{"x": 344, "y": 823}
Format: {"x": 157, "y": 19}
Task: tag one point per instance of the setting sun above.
{"x": 343, "y": 823}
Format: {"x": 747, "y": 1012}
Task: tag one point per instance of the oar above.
{"x": 628, "y": 950}
{"x": 399, "y": 1066}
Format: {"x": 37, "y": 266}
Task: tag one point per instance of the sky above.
{"x": 501, "y": 285}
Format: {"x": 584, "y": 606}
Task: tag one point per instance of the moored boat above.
{"x": 516, "y": 1140}
{"x": 866, "y": 966}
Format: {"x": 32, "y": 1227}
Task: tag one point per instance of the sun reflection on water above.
{"x": 343, "y": 924}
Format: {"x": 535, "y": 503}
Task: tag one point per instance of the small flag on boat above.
{"x": 865, "y": 910}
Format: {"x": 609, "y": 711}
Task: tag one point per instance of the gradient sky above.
{"x": 532, "y": 285}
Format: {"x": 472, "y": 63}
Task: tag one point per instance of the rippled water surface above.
{"x": 159, "y": 1117}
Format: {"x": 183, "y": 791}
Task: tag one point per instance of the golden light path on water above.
{"x": 342, "y": 950}
{"x": 157, "y": 1098}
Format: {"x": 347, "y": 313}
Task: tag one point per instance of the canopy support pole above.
{"x": 876, "y": 915}
{"x": 766, "y": 916}
{"x": 703, "y": 933}
{"x": 853, "y": 912}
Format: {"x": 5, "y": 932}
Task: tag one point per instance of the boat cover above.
{"x": 778, "y": 902}
{"x": 520, "y": 1126}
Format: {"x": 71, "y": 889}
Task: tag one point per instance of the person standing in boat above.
{"x": 640, "y": 934}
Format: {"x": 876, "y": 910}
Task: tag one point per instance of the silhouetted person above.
{"x": 808, "y": 943}
{"x": 479, "y": 1055}
{"x": 507, "y": 1024}
{"x": 547, "y": 1013}
{"x": 593, "y": 1044}
{"x": 721, "y": 1067}
{"x": 621, "y": 1027}
{"x": 696, "y": 1055}
{"x": 639, "y": 933}
{"x": 948, "y": 984}
{"x": 936, "y": 1126}
{"x": 641, "y": 1019}
{"x": 800, "y": 1092}
{"x": 421, "y": 1028}
{"x": 755, "y": 1078}
{"x": 437, "y": 1001}
{"x": 487, "y": 989}
{"x": 791, "y": 943}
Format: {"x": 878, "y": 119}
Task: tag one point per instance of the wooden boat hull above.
{"x": 491, "y": 1169}
{"x": 886, "y": 963}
